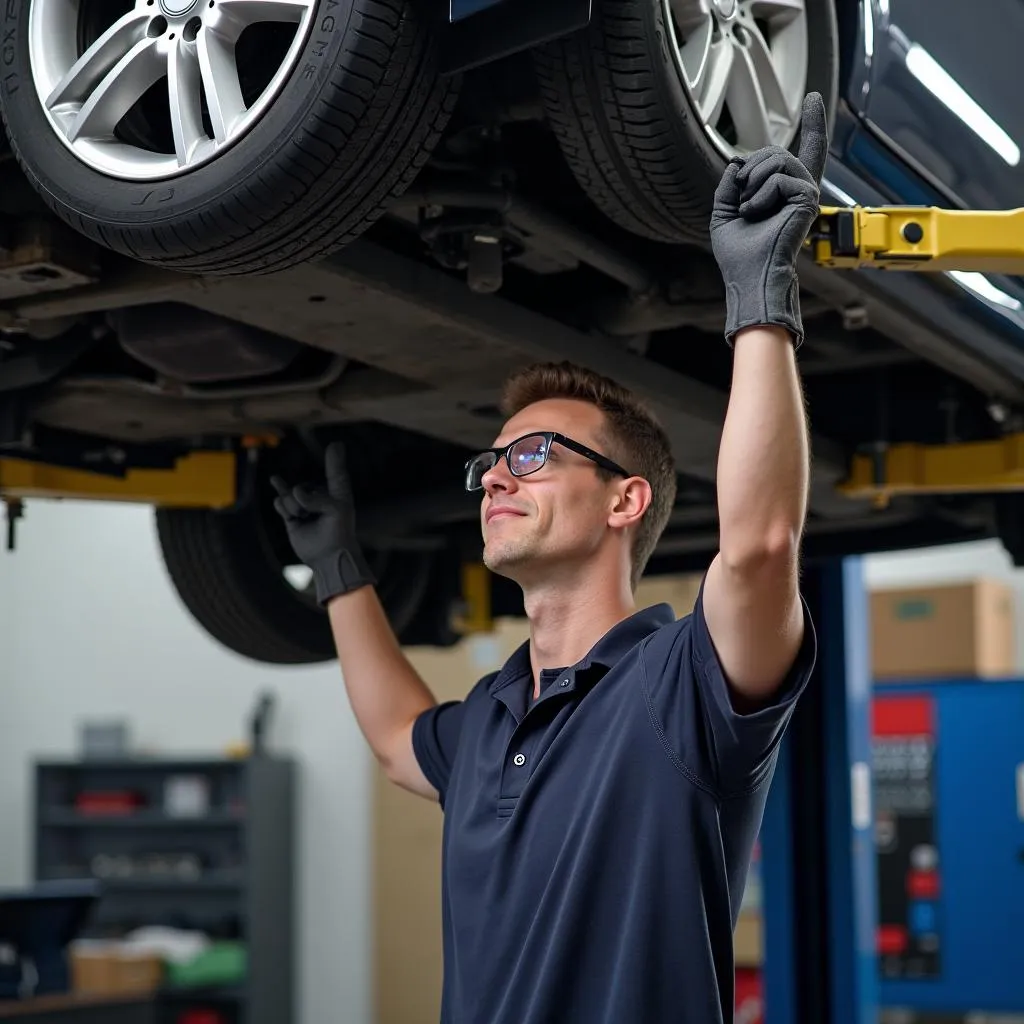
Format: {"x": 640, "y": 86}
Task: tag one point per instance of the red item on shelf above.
{"x": 108, "y": 802}
{"x": 202, "y": 1017}
{"x": 749, "y": 996}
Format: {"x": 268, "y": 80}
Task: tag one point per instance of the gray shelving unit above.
{"x": 228, "y": 871}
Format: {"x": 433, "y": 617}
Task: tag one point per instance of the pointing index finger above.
{"x": 814, "y": 135}
{"x": 336, "y": 467}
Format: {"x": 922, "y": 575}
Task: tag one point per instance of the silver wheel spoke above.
{"x": 253, "y": 12}
{"x": 770, "y": 10}
{"x": 220, "y": 80}
{"x": 690, "y": 15}
{"x": 184, "y": 92}
{"x": 99, "y": 60}
{"x": 695, "y": 52}
{"x": 119, "y": 91}
{"x": 777, "y": 107}
{"x": 746, "y": 103}
{"x": 711, "y": 89}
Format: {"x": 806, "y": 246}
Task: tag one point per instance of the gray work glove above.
{"x": 764, "y": 206}
{"x": 321, "y": 524}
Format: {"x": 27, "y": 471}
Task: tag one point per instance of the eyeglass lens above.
{"x": 526, "y": 456}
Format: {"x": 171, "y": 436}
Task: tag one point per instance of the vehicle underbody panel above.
{"x": 481, "y": 31}
{"x": 411, "y": 346}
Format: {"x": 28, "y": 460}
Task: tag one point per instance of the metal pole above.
{"x": 817, "y": 838}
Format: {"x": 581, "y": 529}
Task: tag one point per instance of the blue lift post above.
{"x": 817, "y": 838}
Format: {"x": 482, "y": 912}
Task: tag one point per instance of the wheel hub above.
{"x": 173, "y": 65}
{"x": 726, "y": 9}
{"x": 175, "y": 9}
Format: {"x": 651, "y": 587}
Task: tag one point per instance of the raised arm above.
{"x": 764, "y": 207}
{"x": 386, "y": 692}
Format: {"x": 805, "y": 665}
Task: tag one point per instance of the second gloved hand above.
{"x": 764, "y": 206}
{"x": 321, "y": 524}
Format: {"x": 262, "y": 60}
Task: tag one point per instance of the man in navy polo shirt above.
{"x": 602, "y": 790}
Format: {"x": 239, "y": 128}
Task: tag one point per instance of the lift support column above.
{"x": 817, "y": 839}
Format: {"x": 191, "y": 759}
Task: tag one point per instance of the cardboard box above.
{"x": 748, "y": 940}
{"x": 962, "y": 629}
{"x": 101, "y": 971}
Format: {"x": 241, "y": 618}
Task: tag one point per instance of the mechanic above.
{"x": 603, "y": 790}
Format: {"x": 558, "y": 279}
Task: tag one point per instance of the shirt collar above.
{"x": 609, "y": 650}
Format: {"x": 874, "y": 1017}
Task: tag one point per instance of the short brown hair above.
{"x": 632, "y": 437}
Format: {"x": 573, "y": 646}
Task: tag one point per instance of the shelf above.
{"x": 129, "y": 764}
{"x": 202, "y": 993}
{"x": 214, "y": 883}
{"x": 139, "y": 819}
{"x": 241, "y": 852}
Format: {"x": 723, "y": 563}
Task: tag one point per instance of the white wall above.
{"x": 89, "y": 626}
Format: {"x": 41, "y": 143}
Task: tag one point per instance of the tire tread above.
{"x": 200, "y": 562}
{"x": 602, "y": 98}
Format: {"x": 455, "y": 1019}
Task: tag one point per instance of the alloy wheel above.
{"x": 165, "y": 86}
{"x": 744, "y": 65}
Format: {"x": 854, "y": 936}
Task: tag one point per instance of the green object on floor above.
{"x": 223, "y": 963}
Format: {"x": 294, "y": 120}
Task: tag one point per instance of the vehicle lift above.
{"x": 817, "y": 837}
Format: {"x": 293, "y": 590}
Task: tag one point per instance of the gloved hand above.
{"x": 321, "y": 524}
{"x": 764, "y": 206}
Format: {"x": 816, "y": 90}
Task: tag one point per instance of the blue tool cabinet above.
{"x": 948, "y": 760}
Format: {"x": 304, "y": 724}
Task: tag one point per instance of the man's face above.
{"x": 557, "y": 516}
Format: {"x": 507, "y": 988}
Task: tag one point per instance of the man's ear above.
{"x": 631, "y": 500}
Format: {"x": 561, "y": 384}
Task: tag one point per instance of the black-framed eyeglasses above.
{"x": 527, "y": 454}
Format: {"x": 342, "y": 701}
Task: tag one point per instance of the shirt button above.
{"x": 564, "y": 682}
{"x": 519, "y": 759}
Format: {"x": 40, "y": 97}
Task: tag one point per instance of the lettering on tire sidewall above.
{"x": 327, "y": 23}
{"x": 10, "y": 78}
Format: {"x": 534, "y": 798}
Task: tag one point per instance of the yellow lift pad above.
{"x": 197, "y": 480}
{"x": 969, "y": 468}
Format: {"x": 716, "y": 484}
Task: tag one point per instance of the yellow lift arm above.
{"x": 926, "y": 239}
{"x": 920, "y": 238}
{"x": 197, "y": 480}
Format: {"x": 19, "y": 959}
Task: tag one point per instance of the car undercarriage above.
{"x": 398, "y": 343}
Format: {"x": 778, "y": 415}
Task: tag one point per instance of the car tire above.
{"x": 627, "y": 123}
{"x": 354, "y": 113}
{"x": 228, "y": 568}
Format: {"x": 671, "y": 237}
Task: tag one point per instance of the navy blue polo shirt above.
{"x": 596, "y": 841}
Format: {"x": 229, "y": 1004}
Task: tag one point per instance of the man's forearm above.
{"x": 763, "y": 464}
{"x": 384, "y": 689}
